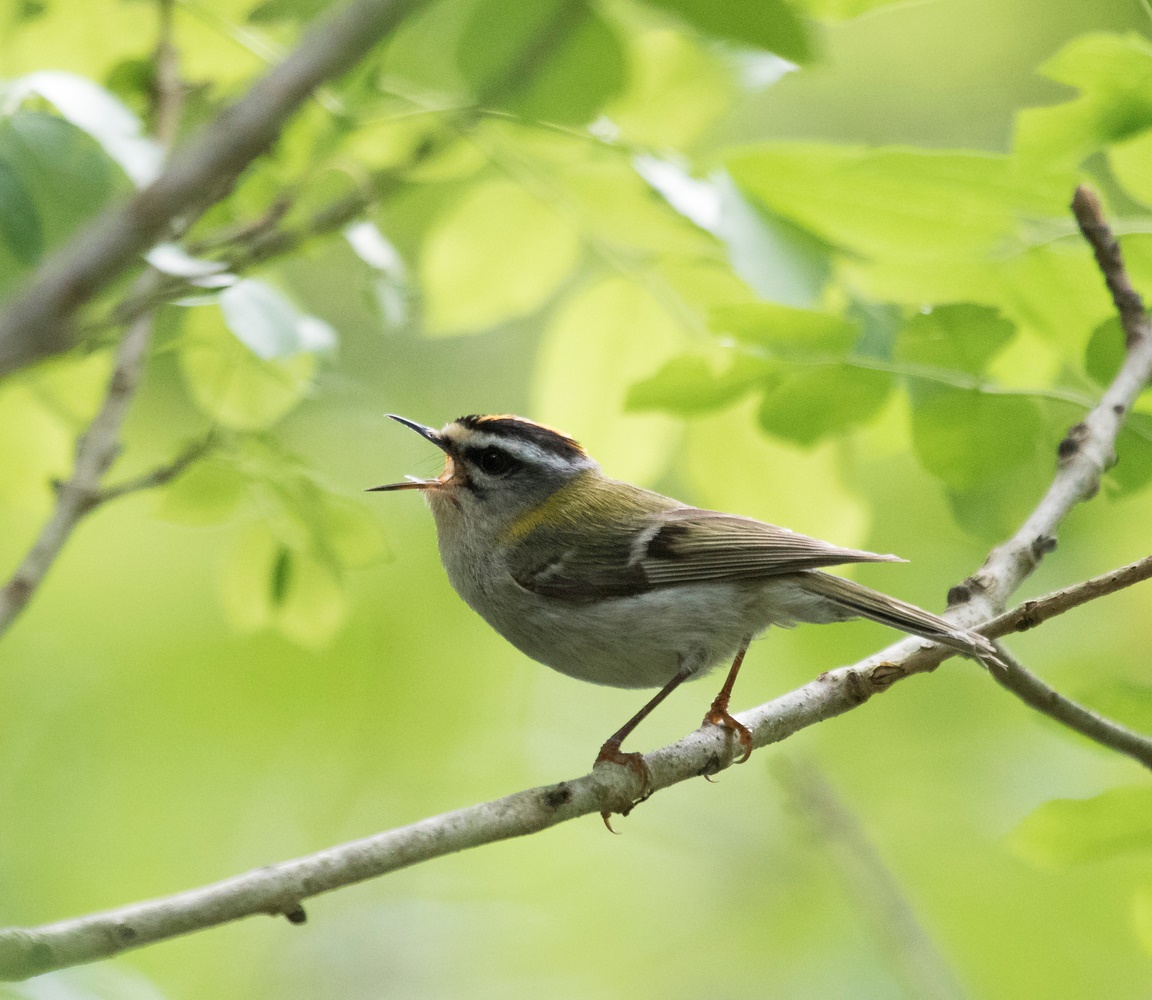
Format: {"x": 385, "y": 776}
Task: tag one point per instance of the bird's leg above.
{"x": 612, "y": 753}
{"x": 719, "y": 715}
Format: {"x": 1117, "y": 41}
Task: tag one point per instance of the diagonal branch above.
{"x": 279, "y": 889}
{"x": 96, "y": 450}
{"x": 1088, "y": 449}
{"x": 38, "y": 322}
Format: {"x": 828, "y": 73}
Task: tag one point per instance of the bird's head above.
{"x": 498, "y": 468}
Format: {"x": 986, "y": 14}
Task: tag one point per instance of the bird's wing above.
{"x": 681, "y": 545}
{"x": 692, "y": 545}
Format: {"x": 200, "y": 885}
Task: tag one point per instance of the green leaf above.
{"x": 687, "y": 386}
{"x": 269, "y": 584}
{"x": 1133, "y": 468}
{"x": 1131, "y": 162}
{"x": 677, "y": 89}
{"x": 233, "y": 385}
{"x": 961, "y": 337}
{"x": 764, "y": 24}
{"x": 1072, "y": 831}
{"x": 555, "y": 60}
{"x": 349, "y": 533}
{"x": 1105, "y": 352}
{"x": 20, "y": 229}
{"x": 966, "y": 437}
{"x": 206, "y": 493}
{"x": 607, "y": 336}
{"x": 1114, "y": 76}
{"x": 809, "y": 405}
{"x": 784, "y": 331}
{"x": 467, "y": 286}
{"x": 53, "y": 179}
{"x": 898, "y": 202}
{"x": 842, "y": 10}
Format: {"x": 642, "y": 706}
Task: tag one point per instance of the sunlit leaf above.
{"x": 1114, "y": 76}
{"x": 732, "y": 466}
{"x": 468, "y": 286}
{"x": 206, "y": 493}
{"x": 313, "y": 607}
{"x": 676, "y": 89}
{"x": 784, "y": 331}
{"x": 1131, "y": 162}
{"x": 233, "y": 385}
{"x": 602, "y": 340}
{"x": 1072, "y": 831}
{"x": 688, "y": 385}
{"x": 898, "y": 201}
{"x": 961, "y": 337}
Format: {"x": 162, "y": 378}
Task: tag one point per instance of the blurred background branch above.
{"x": 870, "y": 883}
{"x": 38, "y": 321}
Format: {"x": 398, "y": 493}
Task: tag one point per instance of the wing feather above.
{"x": 682, "y": 545}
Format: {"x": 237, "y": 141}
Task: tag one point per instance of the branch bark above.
{"x": 39, "y": 321}
{"x": 96, "y": 450}
{"x": 280, "y": 889}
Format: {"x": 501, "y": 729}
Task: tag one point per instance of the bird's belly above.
{"x": 633, "y": 642}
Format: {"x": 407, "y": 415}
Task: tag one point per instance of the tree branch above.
{"x": 39, "y": 321}
{"x": 96, "y": 450}
{"x": 1088, "y": 449}
{"x": 279, "y": 889}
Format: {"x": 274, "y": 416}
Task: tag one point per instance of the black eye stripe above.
{"x": 492, "y": 461}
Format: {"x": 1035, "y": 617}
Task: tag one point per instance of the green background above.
{"x": 169, "y": 717}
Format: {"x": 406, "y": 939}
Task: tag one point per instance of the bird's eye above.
{"x": 495, "y": 462}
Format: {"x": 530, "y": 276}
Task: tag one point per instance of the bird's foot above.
{"x": 611, "y": 753}
{"x": 718, "y": 715}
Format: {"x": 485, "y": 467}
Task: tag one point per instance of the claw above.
{"x": 721, "y": 717}
{"x": 611, "y": 753}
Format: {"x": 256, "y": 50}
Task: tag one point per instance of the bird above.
{"x": 615, "y": 584}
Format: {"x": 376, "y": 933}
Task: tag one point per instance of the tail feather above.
{"x": 868, "y": 603}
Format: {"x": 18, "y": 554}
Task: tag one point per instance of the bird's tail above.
{"x": 867, "y": 603}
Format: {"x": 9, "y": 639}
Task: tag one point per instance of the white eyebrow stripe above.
{"x": 526, "y": 451}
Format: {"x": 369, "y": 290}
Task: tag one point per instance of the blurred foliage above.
{"x": 743, "y": 259}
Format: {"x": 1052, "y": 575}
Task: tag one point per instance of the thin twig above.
{"x": 159, "y": 476}
{"x": 1090, "y": 217}
{"x": 1033, "y": 691}
{"x": 99, "y": 445}
{"x": 1031, "y": 613}
{"x": 279, "y": 889}
{"x": 1085, "y": 454}
{"x": 39, "y": 321}
{"x": 874, "y": 888}
{"x": 96, "y": 450}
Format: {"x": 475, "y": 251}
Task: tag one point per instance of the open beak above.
{"x": 411, "y": 482}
